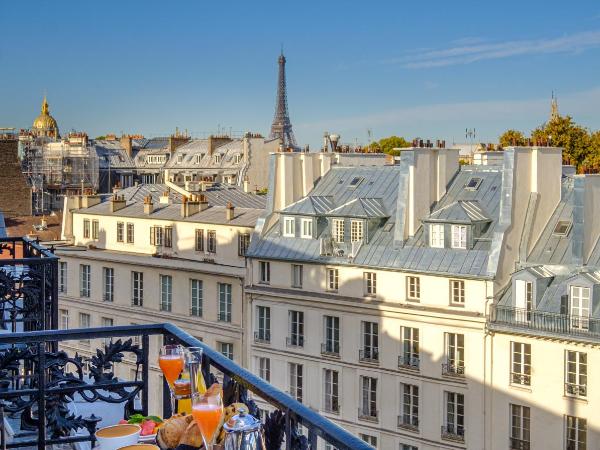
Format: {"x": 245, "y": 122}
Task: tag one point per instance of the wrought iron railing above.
{"x": 262, "y": 337}
{"x": 408, "y": 362}
{"x": 523, "y": 379}
{"x": 518, "y": 444}
{"x": 453, "y": 369}
{"x": 330, "y": 348}
{"x": 409, "y": 422}
{"x": 577, "y": 390}
{"x": 369, "y": 355}
{"x": 294, "y": 341}
{"x": 369, "y": 414}
{"x": 38, "y": 381}
{"x": 453, "y": 432}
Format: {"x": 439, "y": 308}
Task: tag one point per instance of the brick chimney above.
{"x": 192, "y": 205}
{"x": 88, "y": 201}
{"x": 148, "y": 205}
{"x": 229, "y": 212}
{"x": 127, "y": 144}
{"x": 117, "y": 202}
{"x": 216, "y": 141}
{"x": 177, "y": 141}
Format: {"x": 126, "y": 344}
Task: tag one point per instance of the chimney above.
{"x": 148, "y": 205}
{"x": 127, "y": 144}
{"x": 246, "y": 184}
{"x": 164, "y": 198}
{"x": 117, "y": 202}
{"x": 229, "y": 212}
{"x": 203, "y": 202}
{"x": 216, "y": 141}
{"x": 88, "y": 201}
{"x": 193, "y": 205}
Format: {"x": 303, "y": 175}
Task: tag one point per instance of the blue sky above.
{"x": 428, "y": 69}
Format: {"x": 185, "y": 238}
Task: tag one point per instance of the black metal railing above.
{"x": 28, "y": 287}
{"x": 408, "y": 362}
{"x": 368, "y": 414}
{"x": 330, "y": 348}
{"x": 294, "y": 341}
{"x": 409, "y": 422}
{"x": 37, "y": 382}
{"x": 453, "y": 369}
{"x": 262, "y": 337}
{"x": 501, "y": 317}
{"x": 369, "y": 355}
{"x": 523, "y": 379}
{"x": 518, "y": 444}
{"x": 453, "y": 432}
{"x": 577, "y": 390}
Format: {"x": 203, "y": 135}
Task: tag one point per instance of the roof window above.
{"x": 562, "y": 228}
{"x": 355, "y": 182}
{"x": 473, "y": 184}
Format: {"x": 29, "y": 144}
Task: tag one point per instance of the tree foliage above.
{"x": 388, "y": 144}
{"x": 512, "y": 137}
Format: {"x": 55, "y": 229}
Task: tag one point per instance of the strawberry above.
{"x": 122, "y": 422}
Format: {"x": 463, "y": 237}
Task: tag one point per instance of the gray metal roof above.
{"x": 195, "y": 155}
{"x": 361, "y": 207}
{"x": 311, "y": 205}
{"x": 112, "y": 155}
{"x": 461, "y": 211}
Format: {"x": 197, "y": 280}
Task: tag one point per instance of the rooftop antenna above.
{"x": 369, "y": 135}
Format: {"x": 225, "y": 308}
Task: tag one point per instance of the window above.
{"x": 243, "y": 243}
{"x": 454, "y": 415}
{"x": 370, "y": 283}
{"x": 436, "y": 235}
{"x": 106, "y": 322}
{"x": 306, "y": 228}
{"x": 576, "y": 433}
{"x": 296, "y": 323}
{"x": 457, "y": 292}
{"x": 199, "y": 240}
{"x": 86, "y": 228}
{"x": 95, "y": 229}
{"x": 580, "y": 307}
{"x": 166, "y": 292}
{"x": 64, "y": 319}
{"x": 410, "y": 348}
{"x": 130, "y": 233}
{"x": 455, "y": 354}
{"x": 264, "y": 272}
{"x": 264, "y": 368}
{"x": 338, "y": 230}
{"x": 520, "y": 363}
{"x": 62, "y": 282}
{"x": 333, "y": 280}
{"x": 108, "y": 275}
{"x": 237, "y": 158}
{"x": 211, "y": 241}
{"x": 408, "y": 447}
{"x": 331, "y": 390}
{"x": 156, "y": 236}
{"x": 473, "y": 184}
{"x": 137, "y": 288}
{"x": 356, "y": 230}
{"x": 368, "y": 398}
{"x": 217, "y": 158}
{"x": 226, "y": 348}
{"x": 355, "y": 182}
{"x": 289, "y": 227}
{"x": 85, "y": 321}
{"x": 120, "y": 231}
{"x": 296, "y": 381}
{"x": 168, "y": 240}
{"x": 523, "y": 300}
{"x": 562, "y": 228}
{"x": 297, "y": 270}
{"x": 413, "y": 288}
{"x": 519, "y": 427}
{"x": 576, "y": 373}
{"x": 196, "y": 293}
{"x": 332, "y": 335}
{"x": 459, "y": 236}
{"x": 84, "y": 280}
{"x": 224, "y": 302}
{"x": 371, "y": 440}
{"x": 409, "y": 402}
{"x": 370, "y": 341}
{"x": 263, "y": 322}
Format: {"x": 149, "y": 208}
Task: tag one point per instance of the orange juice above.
{"x": 171, "y": 365}
{"x": 208, "y": 417}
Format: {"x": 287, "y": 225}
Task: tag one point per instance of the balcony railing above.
{"x": 330, "y": 349}
{"x": 453, "y": 433}
{"x": 520, "y": 378}
{"x": 577, "y": 390}
{"x": 262, "y": 337}
{"x": 408, "y": 362}
{"x": 37, "y": 383}
{"x": 369, "y": 355}
{"x": 503, "y": 317}
{"x": 368, "y": 414}
{"x": 518, "y": 444}
{"x": 294, "y": 341}
{"x": 408, "y": 422}
{"x": 453, "y": 369}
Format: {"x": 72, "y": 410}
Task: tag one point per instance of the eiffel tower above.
{"x": 282, "y": 127}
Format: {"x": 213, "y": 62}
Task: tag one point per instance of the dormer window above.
{"x": 198, "y": 158}
{"x": 179, "y": 158}
{"x": 580, "y": 307}
{"x": 459, "y": 236}
{"x": 337, "y": 230}
{"x": 217, "y": 159}
{"x": 289, "y": 226}
{"x": 307, "y": 228}
{"x": 436, "y": 235}
{"x": 238, "y": 158}
{"x": 356, "y": 231}
{"x": 473, "y": 184}
{"x": 524, "y": 300}
{"x": 562, "y": 228}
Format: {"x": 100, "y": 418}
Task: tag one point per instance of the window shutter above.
{"x": 564, "y": 304}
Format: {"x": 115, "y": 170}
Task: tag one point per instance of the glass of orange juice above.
{"x": 207, "y": 410}
{"x": 171, "y": 363}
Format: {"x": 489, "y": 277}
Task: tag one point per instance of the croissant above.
{"x": 172, "y": 431}
{"x": 192, "y": 436}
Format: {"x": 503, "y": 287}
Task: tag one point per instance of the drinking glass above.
{"x": 207, "y": 411}
{"x": 171, "y": 362}
{"x": 193, "y": 365}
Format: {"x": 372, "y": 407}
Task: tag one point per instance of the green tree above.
{"x": 388, "y": 144}
{"x": 563, "y": 132}
{"x": 512, "y": 137}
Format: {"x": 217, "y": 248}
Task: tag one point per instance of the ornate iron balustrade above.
{"x": 453, "y": 369}
{"x": 262, "y": 337}
{"x": 453, "y": 433}
{"x": 523, "y": 379}
{"x": 408, "y": 422}
{"x": 518, "y": 444}
{"x": 408, "y": 362}
{"x": 369, "y": 355}
{"x": 577, "y": 390}
{"x": 294, "y": 341}
{"x": 28, "y": 288}
{"x": 368, "y": 414}
{"x": 37, "y": 383}
{"x": 330, "y": 348}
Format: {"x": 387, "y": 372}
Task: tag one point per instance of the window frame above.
{"x": 337, "y": 230}
{"x": 289, "y": 226}
{"x": 86, "y": 228}
{"x": 108, "y": 284}
{"x": 297, "y": 275}
{"x": 196, "y": 297}
{"x": 572, "y": 442}
{"x": 199, "y": 240}
{"x": 137, "y": 288}
{"x": 370, "y": 284}
{"x": 357, "y": 230}
{"x": 457, "y": 293}
{"x": 264, "y": 272}
{"x": 296, "y": 328}
{"x": 437, "y": 237}
{"x": 224, "y": 291}
{"x": 413, "y": 288}
{"x": 263, "y": 323}
{"x": 331, "y": 390}
{"x": 166, "y": 292}
{"x": 296, "y": 380}
{"x": 333, "y": 279}
{"x": 130, "y": 233}
{"x": 580, "y": 313}
{"x": 409, "y": 404}
{"x": 459, "y": 240}
{"x": 243, "y": 243}
{"x": 120, "y": 232}
{"x": 576, "y": 373}
{"x": 520, "y": 363}
{"x": 95, "y": 229}
{"x": 63, "y": 273}
{"x": 519, "y": 425}
{"x": 304, "y": 232}
{"x": 85, "y": 280}
{"x": 211, "y": 241}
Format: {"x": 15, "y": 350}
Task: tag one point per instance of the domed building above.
{"x": 45, "y": 124}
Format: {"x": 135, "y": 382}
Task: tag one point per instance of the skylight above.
{"x": 355, "y": 182}
{"x": 473, "y": 184}
{"x": 562, "y": 228}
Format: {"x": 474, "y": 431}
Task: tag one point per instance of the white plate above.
{"x": 149, "y": 439}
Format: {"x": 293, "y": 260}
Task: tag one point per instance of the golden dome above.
{"x": 45, "y": 123}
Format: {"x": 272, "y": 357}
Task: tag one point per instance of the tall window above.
{"x": 521, "y": 363}
{"x": 356, "y": 231}
{"x": 455, "y": 354}
{"x": 156, "y": 236}
{"x": 333, "y": 280}
{"x": 196, "y": 295}
{"x": 413, "y": 288}
{"x": 408, "y": 447}
{"x": 371, "y": 440}
{"x": 337, "y": 226}
{"x": 84, "y": 280}
{"x": 64, "y": 319}
{"x": 520, "y": 417}
{"x": 264, "y": 272}
{"x": 108, "y": 275}
{"x": 264, "y": 368}
{"x": 457, "y": 292}
{"x": 296, "y": 338}
{"x": 168, "y": 239}
{"x": 137, "y": 288}
{"x": 370, "y": 282}
{"x": 331, "y": 390}
{"x": 95, "y": 229}
{"x": 332, "y": 335}
{"x": 368, "y": 398}
{"x": 211, "y": 241}
{"x": 455, "y": 414}
{"x": 576, "y": 433}
{"x": 289, "y": 226}
{"x": 130, "y": 233}
{"x": 306, "y": 226}
{"x": 263, "y": 322}
{"x": 297, "y": 270}
{"x": 580, "y": 307}
{"x": 62, "y": 284}
{"x": 524, "y": 300}
{"x": 436, "y": 235}
{"x": 166, "y": 292}
{"x": 410, "y": 347}
{"x": 576, "y": 373}
{"x": 243, "y": 243}
{"x": 120, "y": 231}
{"x": 224, "y": 302}
{"x": 296, "y": 381}
{"x": 226, "y": 349}
{"x": 370, "y": 341}
{"x": 85, "y": 321}
{"x": 86, "y": 228}
{"x": 410, "y": 405}
{"x": 459, "y": 236}
{"x": 199, "y": 240}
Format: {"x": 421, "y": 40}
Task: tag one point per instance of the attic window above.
{"x": 355, "y": 182}
{"x": 562, "y": 228}
{"x": 388, "y": 226}
{"x": 473, "y": 184}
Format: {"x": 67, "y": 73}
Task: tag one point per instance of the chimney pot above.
{"x": 229, "y": 212}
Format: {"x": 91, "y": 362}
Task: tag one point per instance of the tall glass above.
{"x": 171, "y": 361}
{"x": 207, "y": 410}
{"x": 193, "y": 363}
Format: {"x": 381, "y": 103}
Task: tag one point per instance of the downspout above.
{"x": 487, "y": 333}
